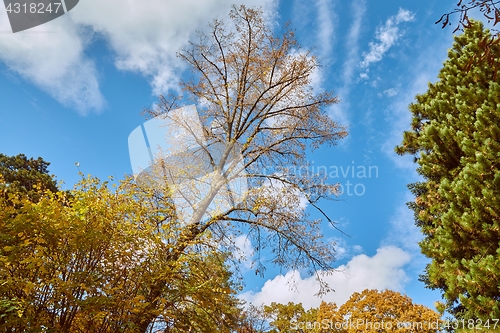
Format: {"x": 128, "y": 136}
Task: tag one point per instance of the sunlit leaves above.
{"x": 369, "y": 311}
{"x": 86, "y": 261}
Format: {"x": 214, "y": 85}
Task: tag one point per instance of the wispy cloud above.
{"x": 339, "y": 112}
{"x": 425, "y": 70}
{"x": 352, "y": 41}
{"x": 385, "y": 270}
{"x": 302, "y": 14}
{"x": 326, "y": 19}
{"x": 389, "y": 92}
{"x": 344, "y": 250}
{"x": 403, "y": 232}
{"x": 386, "y": 36}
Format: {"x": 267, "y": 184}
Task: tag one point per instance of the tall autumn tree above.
{"x": 253, "y": 89}
{"x": 288, "y": 317}
{"x": 455, "y": 138}
{"x": 369, "y": 311}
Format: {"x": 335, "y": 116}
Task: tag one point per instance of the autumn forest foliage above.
{"x": 84, "y": 260}
{"x": 116, "y": 257}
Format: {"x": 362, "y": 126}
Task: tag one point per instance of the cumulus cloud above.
{"x": 382, "y": 271}
{"x": 51, "y": 56}
{"x": 143, "y": 36}
{"x": 386, "y": 36}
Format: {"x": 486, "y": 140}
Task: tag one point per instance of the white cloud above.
{"x": 358, "y": 10}
{"x": 317, "y": 79}
{"x": 342, "y": 249}
{"x": 425, "y": 71}
{"x": 382, "y": 271}
{"x": 51, "y": 57}
{"x": 339, "y": 112}
{"x": 357, "y": 248}
{"x": 303, "y": 12}
{"x": 386, "y": 36}
{"x": 403, "y": 232}
{"x": 404, "y": 16}
{"x": 144, "y": 37}
{"x": 326, "y": 19}
{"x": 389, "y": 92}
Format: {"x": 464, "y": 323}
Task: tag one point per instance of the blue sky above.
{"x": 73, "y": 89}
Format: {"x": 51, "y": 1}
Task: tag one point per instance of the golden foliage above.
{"x": 87, "y": 261}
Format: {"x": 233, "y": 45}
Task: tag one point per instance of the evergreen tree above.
{"x": 27, "y": 176}
{"x": 455, "y": 138}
